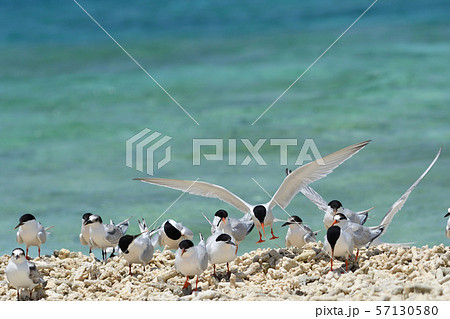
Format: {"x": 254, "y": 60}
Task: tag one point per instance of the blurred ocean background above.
{"x": 70, "y": 98}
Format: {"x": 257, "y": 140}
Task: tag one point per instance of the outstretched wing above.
{"x": 401, "y": 201}
{"x": 201, "y": 189}
{"x": 311, "y": 172}
{"x": 314, "y": 197}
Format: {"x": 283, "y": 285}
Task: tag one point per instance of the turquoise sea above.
{"x": 70, "y": 98}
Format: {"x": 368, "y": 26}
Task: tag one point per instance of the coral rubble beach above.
{"x": 383, "y": 272}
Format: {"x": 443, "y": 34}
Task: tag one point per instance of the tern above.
{"x": 338, "y": 242}
{"x": 447, "y": 228}
{"x": 221, "y": 249}
{"x": 171, "y": 233}
{"x": 21, "y": 273}
{"x": 137, "y": 249}
{"x": 298, "y": 234}
{"x": 239, "y": 228}
{"x": 31, "y": 232}
{"x": 262, "y": 213}
{"x": 84, "y": 233}
{"x": 364, "y": 236}
{"x": 104, "y": 236}
{"x": 191, "y": 260}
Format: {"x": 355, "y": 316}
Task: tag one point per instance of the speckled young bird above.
{"x": 21, "y": 273}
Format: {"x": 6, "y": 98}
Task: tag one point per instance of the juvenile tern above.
{"x": 262, "y": 213}
{"x": 298, "y": 234}
{"x": 221, "y": 249}
{"x": 447, "y": 228}
{"x": 191, "y": 260}
{"x": 31, "y": 232}
{"x": 137, "y": 249}
{"x": 21, "y": 273}
{"x": 104, "y": 236}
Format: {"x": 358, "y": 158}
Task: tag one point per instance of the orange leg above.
{"x": 332, "y": 253}
{"x": 260, "y": 239}
{"x": 346, "y": 265}
{"x": 186, "y": 284}
{"x": 196, "y": 284}
{"x": 273, "y": 236}
{"x": 39, "y": 250}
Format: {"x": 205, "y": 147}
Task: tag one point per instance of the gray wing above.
{"x": 35, "y": 276}
{"x": 241, "y": 228}
{"x": 42, "y": 234}
{"x": 311, "y": 172}
{"x": 82, "y": 240}
{"x": 361, "y": 234}
{"x": 201, "y": 189}
{"x": 314, "y": 197}
{"x": 202, "y": 256}
{"x": 124, "y": 225}
{"x": 147, "y": 254}
{"x": 401, "y": 201}
{"x": 113, "y": 233}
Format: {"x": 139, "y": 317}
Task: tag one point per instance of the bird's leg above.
{"x": 260, "y": 238}
{"x": 31, "y": 290}
{"x": 332, "y": 253}
{"x": 90, "y": 250}
{"x": 228, "y": 268}
{"x": 186, "y": 284}
{"x": 130, "y": 269}
{"x": 273, "y": 236}
{"x": 214, "y": 266}
{"x": 39, "y": 251}
{"x": 26, "y": 255}
{"x": 196, "y": 284}
{"x": 346, "y": 264}
{"x": 18, "y": 294}
{"x": 357, "y": 253}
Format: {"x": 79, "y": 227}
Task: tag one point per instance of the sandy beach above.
{"x": 383, "y": 272}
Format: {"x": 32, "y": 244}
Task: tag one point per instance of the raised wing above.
{"x": 401, "y": 201}
{"x": 315, "y": 198}
{"x": 201, "y": 189}
{"x": 312, "y": 172}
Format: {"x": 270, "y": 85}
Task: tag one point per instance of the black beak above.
{"x": 20, "y": 224}
{"x": 446, "y": 215}
{"x": 88, "y": 222}
{"x": 286, "y": 224}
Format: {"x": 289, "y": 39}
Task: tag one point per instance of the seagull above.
{"x": 298, "y": 233}
{"x": 84, "y": 234}
{"x": 447, "y": 228}
{"x": 262, "y": 213}
{"x": 105, "y": 235}
{"x": 21, "y": 273}
{"x": 137, "y": 249}
{"x": 221, "y": 249}
{"x": 338, "y": 242}
{"x": 239, "y": 228}
{"x": 31, "y": 232}
{"x": 171, "y": 233}
{"x": 191, "y": 260}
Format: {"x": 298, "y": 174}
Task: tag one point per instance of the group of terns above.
{"x": 345, "y": 228}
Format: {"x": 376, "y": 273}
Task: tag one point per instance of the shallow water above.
{"x": 70, "y": 98}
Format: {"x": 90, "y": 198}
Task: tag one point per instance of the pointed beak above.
{"x": 285, "y": 224}
{"x": 264, "y": 232}
{"x": 183, "y": 251}
{"x": 18, "y": 225}
{"x": 335, "y": 222}
{"x": 224, "y": 221}
{"x": 446, "y": 215}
